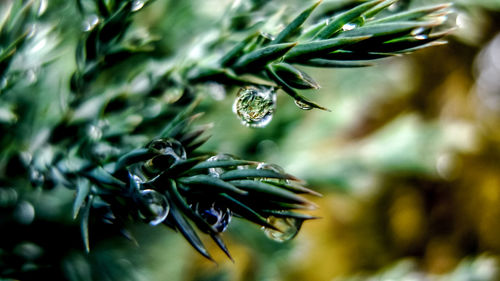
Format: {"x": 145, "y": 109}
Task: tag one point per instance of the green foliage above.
{"x": 131, "y": 154}
{"x": 347, "y": 39}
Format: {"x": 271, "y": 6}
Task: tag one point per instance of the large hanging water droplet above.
{"x": 303, "y": 105}
{"x": 216, "y": 172}
{"x": 289, "y": 227}
{"x": 255, "y": 106}
{"x": 156, "y": 204}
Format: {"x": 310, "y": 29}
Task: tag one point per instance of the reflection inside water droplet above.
{"x": 302, "y": 105}
{"x": 289, "y": 227}
{"x": 157, "y": 205}
{"x": 254, "y": 106}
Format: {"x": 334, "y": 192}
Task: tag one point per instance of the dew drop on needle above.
{"x": 255, "y": 106}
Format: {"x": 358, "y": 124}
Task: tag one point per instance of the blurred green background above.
{"x": 408, "y": 162}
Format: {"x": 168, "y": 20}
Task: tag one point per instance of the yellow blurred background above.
{"x": 408, "y": 162}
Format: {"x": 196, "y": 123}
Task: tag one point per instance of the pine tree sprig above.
{"x": 346, "y": 39}
{"x": 132, "y": 155}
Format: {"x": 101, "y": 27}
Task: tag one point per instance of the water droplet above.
{"x": 3, "y": 82}
{"x": 275, "y": 168}
{"x": 272, "y": 167}
{"x": 94, "y": 132}
{"x": 157, "y": 206}
{"x": 135, "y": 182}
{"x": 43, "y": 7}
{"x": 420, "y": 37}
{"x": 173, "y": 94}
{"x": 137, "y": 5}
{"x": 38, "y": 46}
{"x": 90, "y": 23}
{"x": 396, "y": 6}
{"x": 302, "y": 105}
{"x": 265, "y": 37}
{"x": 31, "y": 76}
{"x": 37, "y": 178}
{"x": 349, "y": 26}
{"x": 417, "y": 33}
{"x": 218, "y": 217}
{"x": 254, "y": 106}
{"x": 140, "y": 84}
{"x": 216, "y": 172}
{"x": 448, "y": 166}
{"x": 289, "y": 227}
{"x": 24, "y": 213}
{"x": 463, "y": 20}
{"x": 168, "y": 146}
{"x": 32, "y": 30}
{"x": 28, "y": 250}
